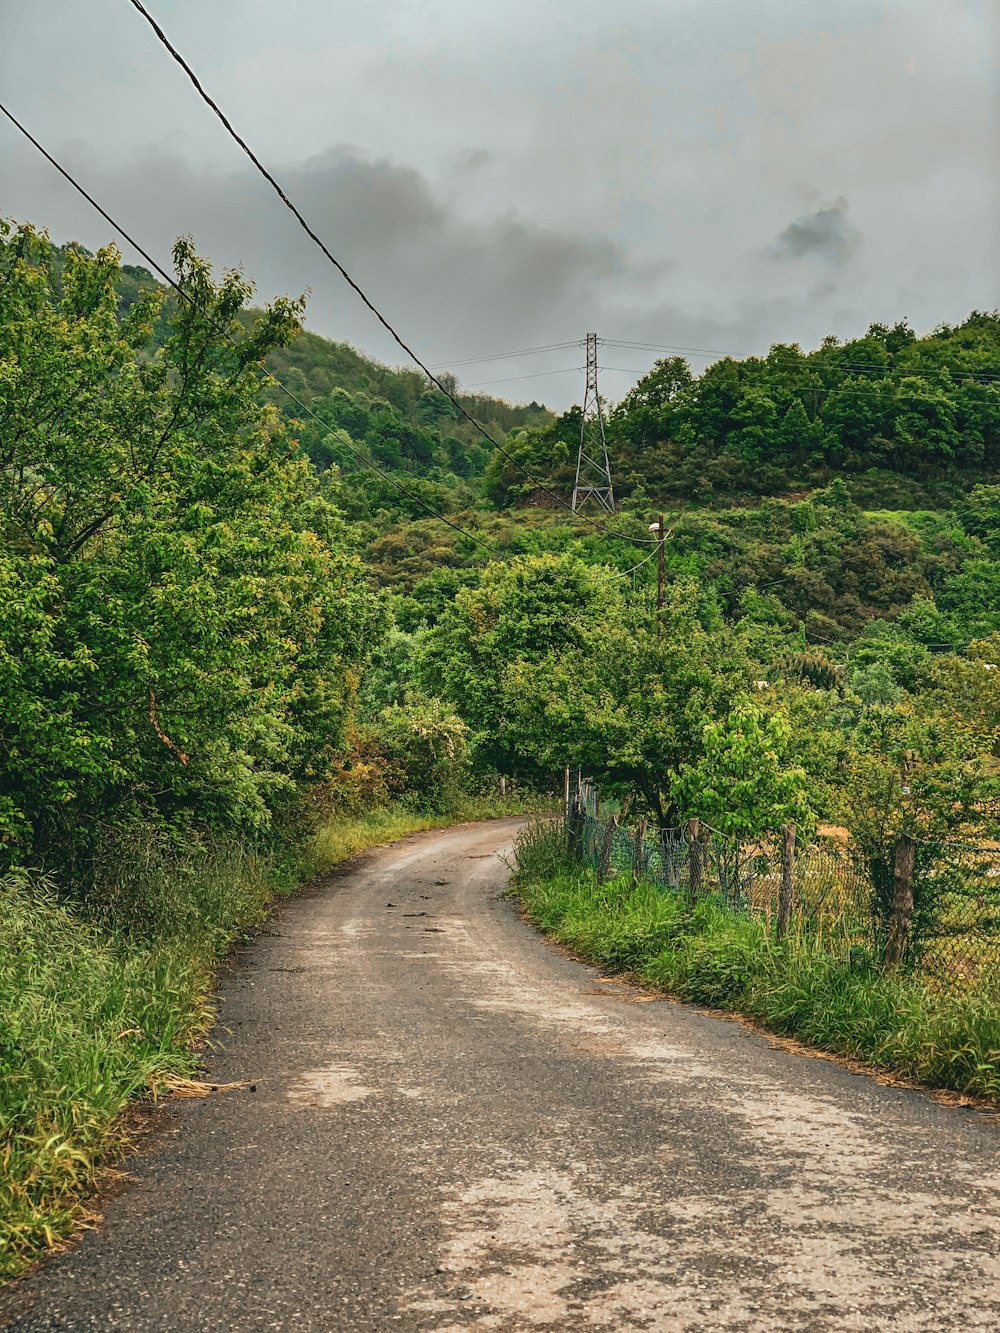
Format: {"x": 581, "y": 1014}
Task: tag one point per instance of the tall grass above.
{"x": 103, "y": 1000}
{"x": 801, "y": 986}
{"x": 88, "y": 1020}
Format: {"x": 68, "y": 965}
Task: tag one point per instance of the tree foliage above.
{"x": 745, "y": 782}
{"x": 182, "y": 617}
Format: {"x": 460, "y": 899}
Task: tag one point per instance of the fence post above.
{"x": 694, "y": 860}
{"x": 604, "y": 861}
{"x": 639, "y": 852}
{"x": 904, "y": 864}
{"x": 787, "y": 877}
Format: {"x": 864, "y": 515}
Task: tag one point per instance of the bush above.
{"x": 421, "y": 751}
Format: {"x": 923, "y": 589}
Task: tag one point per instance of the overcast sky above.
{"x": 715, "y": 174}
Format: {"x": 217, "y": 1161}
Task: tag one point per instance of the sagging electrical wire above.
{"x": 293, "y": 208}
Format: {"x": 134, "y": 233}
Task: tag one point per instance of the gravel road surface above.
{"x": 455, "y": 1127}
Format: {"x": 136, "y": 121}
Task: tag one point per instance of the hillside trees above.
{"x": 893, "y": 412}
{"x": 529, "y": 610}
{"x": 628, "y": 700}
{"x": 182, "y": 617}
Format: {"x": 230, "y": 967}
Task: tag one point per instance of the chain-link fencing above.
{"x": 930, "y": 906}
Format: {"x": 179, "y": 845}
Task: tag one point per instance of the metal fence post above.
{"x": 904, "y": 864}
{"x": 787, "y": 877}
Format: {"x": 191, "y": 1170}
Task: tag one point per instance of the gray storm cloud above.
{"x": 503, "y": 178}
{"x": 827, "y": 233}
{"x": 425, "y": 264}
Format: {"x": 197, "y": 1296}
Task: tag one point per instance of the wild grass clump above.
{"x": 103, "y": 997}
{"x": 798, "y": 986}
{"x": 87, "y": 1021}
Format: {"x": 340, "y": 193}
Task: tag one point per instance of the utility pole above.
{"x": 661, "y": 573}
{"x": 593, "y": 468}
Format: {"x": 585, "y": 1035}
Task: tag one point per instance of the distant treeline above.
{"x": 877, "y": 410}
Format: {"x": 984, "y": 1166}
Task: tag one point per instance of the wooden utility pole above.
{"x": 604, "y": 860}
{"x": 904, "y": 865}
{"x": 787, "y": 877}
{"x": 661, "y": 574}
{"x": 694, "y": 860}
{"x": 639, "y": 851}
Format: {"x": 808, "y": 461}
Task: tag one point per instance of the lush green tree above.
{"x": 421, "y": 749}
{"x": 744, "y": 783}
{"x": 521, "y": 612}
{"x": 181, "y": 617}
{"x": 627, "y": 701}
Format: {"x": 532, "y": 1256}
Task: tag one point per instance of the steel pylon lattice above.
{"x": 593, "y": 467}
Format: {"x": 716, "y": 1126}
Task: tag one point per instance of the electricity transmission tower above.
{"x": 593, "y": 469}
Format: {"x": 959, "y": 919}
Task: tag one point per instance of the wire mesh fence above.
{"x": 936, "y": 913}
{"x": 956, "y": 918}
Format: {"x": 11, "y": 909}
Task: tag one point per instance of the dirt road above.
{"x": 454, "y": 1127}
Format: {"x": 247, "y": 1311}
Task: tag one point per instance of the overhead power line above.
{"x": 826, "y": 366}
{"x": 506, "y": 356}
{"x": 355, "y": 287}
{"x": 538, "y": 375}
{"x": 186, "y": 296}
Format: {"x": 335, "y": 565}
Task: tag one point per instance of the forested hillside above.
{"x": 223, "y": 638}
{"x": 225, "y": 609}
{"x": 898, "y": 417}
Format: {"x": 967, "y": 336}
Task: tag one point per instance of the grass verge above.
{"x": 103, "y": 1006}
{"x": 797, "y": 986}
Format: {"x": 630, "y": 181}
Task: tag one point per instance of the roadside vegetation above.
{"x": 813, "y": 989}
{"x": 188, "y": 729}
{"x": 100, "y": 1010}
{"x": 230, "y": 656}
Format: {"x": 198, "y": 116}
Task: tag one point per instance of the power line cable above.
{"x": 538, "y": 375}
{"x": 645, "y": 561}
{"x": 171, "y": 282}
{"x": 875, "y": 366}
{"x": 506, "y": 356}
{"x": 355, "y": 287}
{"x": 916, "y": 643}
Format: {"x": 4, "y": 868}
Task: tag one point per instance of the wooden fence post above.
{"x": 573, "y": 833}
{"x": 787, "y": 877}
{"x": 694, "y": 860}
{"x": 898, "y": 936}
{"x": 639, "y": 852}
{"x": 604, "y": 861}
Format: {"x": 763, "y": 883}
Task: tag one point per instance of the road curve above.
{"x": 455, "y": 1127}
